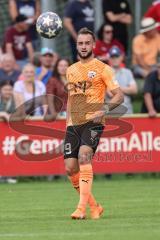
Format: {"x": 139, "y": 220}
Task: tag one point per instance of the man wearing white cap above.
{"x": 48, "y": 59}
{"x": 146, "y": 47}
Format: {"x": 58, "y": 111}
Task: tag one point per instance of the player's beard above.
{"x": 86, "y": 56}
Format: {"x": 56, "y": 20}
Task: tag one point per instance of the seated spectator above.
{"x": 105, "y": 42}
{"x": 7, "y": 103}
{"x": 154, "y": 12}
{"x": 7, "y": 69}
{"x": 48, "y": 59}
{"x": 124, "y": 77}
{"x": 56, "y": 88}
{"x": 151, "y": 104}
{"x": 31, "y": 9}
{"x": 30, "y": 89}
{"x": 118, "y": 14}
{"x": 17, "y": 41}
{"x": 146, "y": 47}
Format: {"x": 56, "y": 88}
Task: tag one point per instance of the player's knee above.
{"x": 85, "y": 157}
{"x": 70, "y": 170}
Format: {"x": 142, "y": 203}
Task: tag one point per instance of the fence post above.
{"x": 98, "y": 13}
{"x": 48, "y": 5}
{"x": 138, "y": 5}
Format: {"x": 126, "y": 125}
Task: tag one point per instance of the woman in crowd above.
{"x": 7, "y": 103}
{"x": 57, "y": 98}
{"x": 105, "y": 42}
{"x": 30, "y": 92}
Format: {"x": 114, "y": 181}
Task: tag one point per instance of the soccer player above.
{"x": 88, "y": 81}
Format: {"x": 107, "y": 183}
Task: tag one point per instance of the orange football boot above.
{"x": 96, "y": 211}
{"x": 78, "y": 214}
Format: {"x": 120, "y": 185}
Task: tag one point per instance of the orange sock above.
{"x": 75, "y": 182}
{"x": 85, "y": 183}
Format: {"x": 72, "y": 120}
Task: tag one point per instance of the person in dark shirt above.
{"x": 151, "y": 104}
{"x": 7, "y": 69}
{"x": 31, "y": 9}
{"x": 118, "y": 13}
{"x": 78, "y": 14}
{"x": 17, "y": 41}
{"x": 105, "y": 42}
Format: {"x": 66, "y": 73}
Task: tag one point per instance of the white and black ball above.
{"x": 49, "y": 25}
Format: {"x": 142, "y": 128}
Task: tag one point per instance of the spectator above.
{"x": 118, "y": 14}
{"x": 56, "y": 88}
{"x": 7, "y": 103}
{"x": 30, "y": 89}
{"x": 17, "y": 41}
{"x": 151, "y": 104}
{"x": 78, "y": 14}
{"x": 105, "y": 42}
{"x": 7, "y": 70}
{"x": 154, "y": 12}
{"x": 31, "y": 9}
{"x": 146, "y": 47}
{"x": 124, "y": 77}
{"x": 48, "y": 60}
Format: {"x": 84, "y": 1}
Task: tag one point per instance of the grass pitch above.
{"x": 41, "y": 210}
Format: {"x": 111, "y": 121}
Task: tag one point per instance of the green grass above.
{"x": 41, "y": 210}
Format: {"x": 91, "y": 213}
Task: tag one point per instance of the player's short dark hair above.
{"x": 87, "y": 31}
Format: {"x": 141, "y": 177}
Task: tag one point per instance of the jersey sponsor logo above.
{"x": 91, "y": 74}
{"x": 84, "y": 85}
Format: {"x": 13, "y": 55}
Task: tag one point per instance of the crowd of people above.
{"x": 28, "y": 71}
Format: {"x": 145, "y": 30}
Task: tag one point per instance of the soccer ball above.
{"x": 49, "y": 25}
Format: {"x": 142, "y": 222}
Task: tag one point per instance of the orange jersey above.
{"x": 87, "y": 86}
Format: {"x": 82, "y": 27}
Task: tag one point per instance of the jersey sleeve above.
{"x": 109, "y": 78}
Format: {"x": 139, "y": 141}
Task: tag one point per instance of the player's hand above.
{"x": 98, "y": 116}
